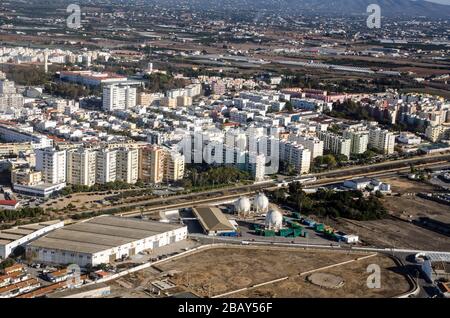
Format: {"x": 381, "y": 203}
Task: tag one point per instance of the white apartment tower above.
{"x": 359, "y": 140}
{"x": 313, "y": 144}
{"x": 127, "y": 165}
{"x": 257, "y": 166}
{"x": 382, "y": 140}
{"x": 335, "y": 143}
{"x": 173, "y": 166}
{"x": 106, "y": 165}
{"x": 118, "y": 97}
{"x": 52, "y": 164}
{"x": 296, "y": 156}
{"x": 81, "y": 168}
{"x": 7, "y": 87}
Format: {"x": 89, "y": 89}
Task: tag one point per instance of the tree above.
{"x": 288, "y": 107}
{"x": 7, "y": 263}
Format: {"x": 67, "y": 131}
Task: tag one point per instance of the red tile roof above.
{"x": 8, "y": 202}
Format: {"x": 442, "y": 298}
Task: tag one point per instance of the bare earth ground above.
{"x": 216, "y": 271}
{"x": 416, "y": 207}
{"x": 355, "y": 283}
{"x": 79, "y": 200}
{"x": 393, "y": 233}
{"x": 403, "y": 185}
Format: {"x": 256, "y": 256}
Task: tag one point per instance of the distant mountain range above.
{"x": 391, "y": 8}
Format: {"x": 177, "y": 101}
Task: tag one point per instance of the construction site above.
{"x": 244, "y": 271}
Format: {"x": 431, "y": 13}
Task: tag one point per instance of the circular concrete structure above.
{"x": 325, "y": 280}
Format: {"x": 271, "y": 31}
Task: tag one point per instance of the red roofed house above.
{"x": 9, "y": 204}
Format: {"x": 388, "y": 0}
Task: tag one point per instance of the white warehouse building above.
{"x": 10, "y": 239}
{"x": 103, "y": 240}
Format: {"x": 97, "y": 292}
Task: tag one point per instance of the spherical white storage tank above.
{"x": 274, "y": 220}
{"x": 261, "y": 203}
{"x": 243, "y": 206}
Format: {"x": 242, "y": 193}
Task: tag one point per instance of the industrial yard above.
{"x": 414, "y": 206}
{"x": 218, "y": 271}
{"x": 403, "y": 185}
{"x": 394, "y": 233}
{"x": 400, "y": 230}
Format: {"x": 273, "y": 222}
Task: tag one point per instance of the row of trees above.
{"x": 26, "y": 212}
{"x": 350, "y": 110}
{"x": 201, "y": 176}
{"x": 28, "y": 76}
{"x": 71, "y": 91}
{"x": 110, "y": 186}
{"x": 163, "y": 82}
{"x": 348, "y": 204}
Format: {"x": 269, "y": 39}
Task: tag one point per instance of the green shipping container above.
{"x": 269, "y": 233}
{"x": 285, "y": 232}
{"x": 295, "y": 225}
{"x": 297, "y": 232}
{"x": 319, "y": 227}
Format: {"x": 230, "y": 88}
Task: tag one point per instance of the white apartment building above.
{"x": 12, "y": 134}
{"x": 81, "y": 167}
{"x": 313, "y": 144}
{"x": 296, "y": 156}
{"x": 336, "y": 144}
{"x": 173, "y": 166}
{"x": 241, "y": 117}
{"x": 257, "y": 166}
{"x": 193, "y": 90}
{"x": 436, "y": 132}
{"x": 359, "y": 140}
{"x": 106, "y": 165}
{"x": 10, "y": 101}
{"x": 409, "y": 138}
{"x": 118, "y": 97}
{"x": 382, "y": 140}
{"x": 7, "y": 87}
{"x": 127, "y": 168}
{"x": 52, "y": 164}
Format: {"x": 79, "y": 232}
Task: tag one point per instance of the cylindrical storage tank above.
{"x": 274, "y": 220}
{"x": 261, "y": 203}
{"x": 243, "y": 206}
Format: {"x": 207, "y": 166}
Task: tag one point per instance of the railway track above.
{"x": 321, "y": 182}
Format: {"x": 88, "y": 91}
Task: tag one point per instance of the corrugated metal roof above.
{"x": 212, "y": 219}
{"x": 100, "y": 234}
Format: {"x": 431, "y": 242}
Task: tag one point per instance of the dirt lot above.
{"x": 79, "y": 200}
{"x": 355, "y": 283}
{"x": 216, "y": 271}
{"x": 404, "y": 185}
{"x": 414, "y": 206}
{"x": 393, "y": 233}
